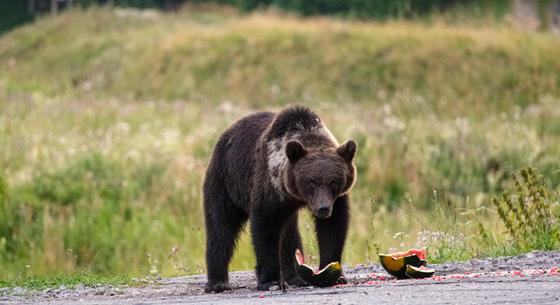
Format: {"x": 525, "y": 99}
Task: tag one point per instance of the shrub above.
{"x": 530, "y": 212}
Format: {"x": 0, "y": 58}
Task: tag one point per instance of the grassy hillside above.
{"x": 107, "y": 120}
{"x": 263, "y": 59}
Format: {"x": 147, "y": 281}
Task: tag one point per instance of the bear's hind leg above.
{"x": 291, "y": 240}
{"x": 223, "y": 223}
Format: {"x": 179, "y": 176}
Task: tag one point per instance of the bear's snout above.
{"x": 322, "y": 203}
{"x": 323, "y": 212}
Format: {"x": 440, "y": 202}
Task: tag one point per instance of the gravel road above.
{"x": 531, "y": 278}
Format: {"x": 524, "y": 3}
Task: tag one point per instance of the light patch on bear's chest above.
{"x": 277, "y": 160}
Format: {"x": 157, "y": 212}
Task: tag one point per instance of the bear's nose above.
{"x": 323, "y": 212}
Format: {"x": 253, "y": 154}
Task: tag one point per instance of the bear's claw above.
{"x": 217, "y": 287}
{"x": 342, "y": 280}
{"x": 266, "y": 286}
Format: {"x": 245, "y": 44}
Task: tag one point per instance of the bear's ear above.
{"x": 347, "y": 150}
{"x": 295, "y": 151}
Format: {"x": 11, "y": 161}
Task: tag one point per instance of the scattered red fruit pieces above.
{"x": 261, "y": 296}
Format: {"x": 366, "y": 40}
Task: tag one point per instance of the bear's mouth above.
{"x": 323, "y": 212}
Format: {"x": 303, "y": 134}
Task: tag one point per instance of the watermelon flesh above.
{"x": 421, "y": 253}
{"x": 299, "y": 257}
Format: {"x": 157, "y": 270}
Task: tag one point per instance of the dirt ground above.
{"x": 531, "y": 278}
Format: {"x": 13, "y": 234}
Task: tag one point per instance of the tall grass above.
{"x": 108, "y": 118}
{"x": 531, "y": 212}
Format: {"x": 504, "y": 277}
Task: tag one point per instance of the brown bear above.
{"x": 265, "y": 168}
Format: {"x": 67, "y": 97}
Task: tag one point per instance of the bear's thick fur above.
{"x": 265, "y": 168}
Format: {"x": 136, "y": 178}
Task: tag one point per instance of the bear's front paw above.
{"x": 297, "y": 281}
{"x": 342, "y": 280}
{"x": 266, "y": 286}
{"x": 217, "y": 287}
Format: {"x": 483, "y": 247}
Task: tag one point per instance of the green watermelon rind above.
{"x": 325, "y": 277}
{"x": 416, "y": 273}
{"x": 400, "y": 273}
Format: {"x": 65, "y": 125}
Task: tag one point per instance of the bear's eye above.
{"x": 334, "y": 185}
{"x": 312, "y": 183}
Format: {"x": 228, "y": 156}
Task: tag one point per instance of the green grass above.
{"x": 108, "y": 118}
{"x": 69, "y": 281}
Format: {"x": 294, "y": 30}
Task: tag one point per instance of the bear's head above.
{"x": 319, "y": 177}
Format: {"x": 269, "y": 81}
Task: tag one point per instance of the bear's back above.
{"x": 234, "y": 156}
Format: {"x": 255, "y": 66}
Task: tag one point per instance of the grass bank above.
{"x": 262, "y": 59}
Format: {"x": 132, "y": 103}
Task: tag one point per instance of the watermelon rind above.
{"x": 325, "y": 277}
{"x": 396, "y": 266}
{"x": 418, "y": 273}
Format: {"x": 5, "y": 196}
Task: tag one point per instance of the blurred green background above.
{"x": 109, "y": 112}
{"x": 17, "y": 12}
